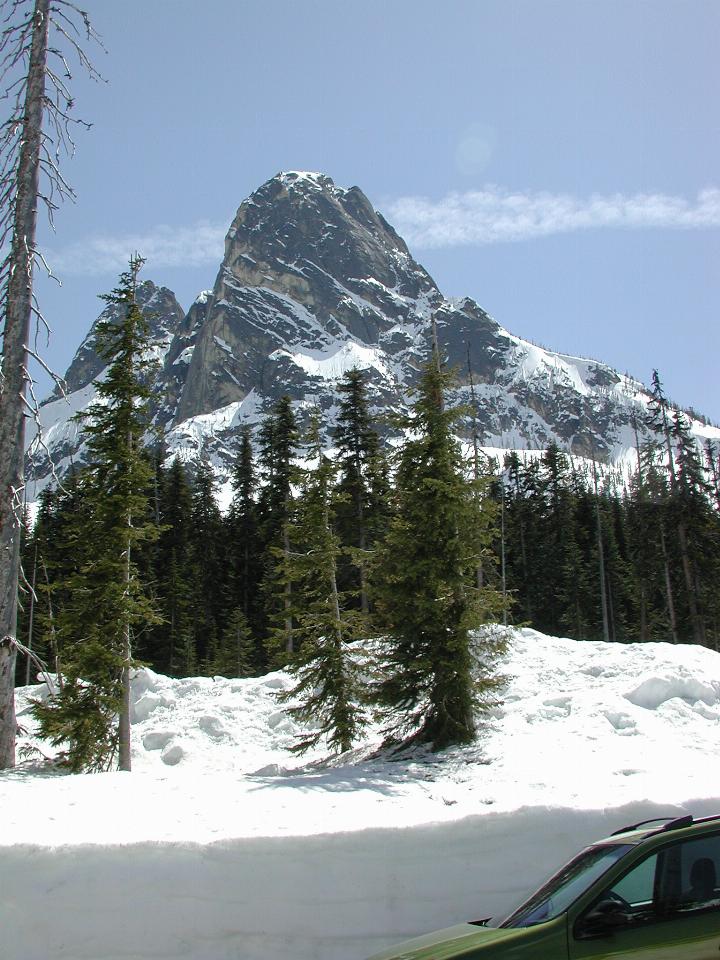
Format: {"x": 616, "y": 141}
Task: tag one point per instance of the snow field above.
{"x": 223, "y": 844}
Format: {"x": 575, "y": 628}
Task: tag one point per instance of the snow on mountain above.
{"x": 314, "y": 281}
{"x": 331, "y": 365}
{"x": 222, "y": 844}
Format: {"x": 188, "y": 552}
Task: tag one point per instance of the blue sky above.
{"x": 557, "y": 160}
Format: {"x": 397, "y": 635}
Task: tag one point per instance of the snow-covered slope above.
{"x": 221, "y": 845}
{"x": 314, "y": 281}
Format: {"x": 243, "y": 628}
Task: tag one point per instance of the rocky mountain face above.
{"x": 164, "y": 315}
{"x": 307, "y": 267}
{"x": 314, "y": 282}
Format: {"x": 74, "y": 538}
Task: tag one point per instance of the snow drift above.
{"x": 219, "y": 845}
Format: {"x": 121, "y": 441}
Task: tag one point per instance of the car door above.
{"x": 666, "y": 907}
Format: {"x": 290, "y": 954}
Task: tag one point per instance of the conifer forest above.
{"x": 130, "y": 559}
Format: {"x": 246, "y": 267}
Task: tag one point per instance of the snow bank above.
{"x": 218, "y": 845}
{"x": 323, "y": 897}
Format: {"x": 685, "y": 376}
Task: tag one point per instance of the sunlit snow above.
{"x": 334, "y": 363}
{"x": 222, "y": 843}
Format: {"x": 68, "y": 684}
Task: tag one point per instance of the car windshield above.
{"x": 566, "y": 885}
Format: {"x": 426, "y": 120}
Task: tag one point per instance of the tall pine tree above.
{"x": 245, "y": 569}
{"x": 175, "y": 574}
{"x": 363, "y": 481}
{"x": 425, "y": 580}
{"x": 207, "y": 551}
{"x": 328, "y": 682}
{"x": 278, "y": 444}
{"x": 107, "y": 603}
{"x": 663, "y": 422}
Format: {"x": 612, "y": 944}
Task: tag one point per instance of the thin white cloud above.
{"x": 162, "y": 246}
{"x": 494, "y": 215}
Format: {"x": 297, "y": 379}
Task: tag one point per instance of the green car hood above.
{"x": 466, "y": 939}
{"x": 445, "y": 943}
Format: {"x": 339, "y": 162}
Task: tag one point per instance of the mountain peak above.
{"x": 314, "y": 280}
{"x": 294, "y": 186}
{"x": 306, "y": 185}
{"x": 307, "y": 263}
{"x": 311, "y": 195}
{"x": 301, "y": 230}
{"x": 307, "y": 179}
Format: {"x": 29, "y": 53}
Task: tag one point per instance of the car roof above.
{"x": 637, "y": 832}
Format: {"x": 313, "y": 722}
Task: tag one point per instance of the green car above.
{"x": 651, "y": 890}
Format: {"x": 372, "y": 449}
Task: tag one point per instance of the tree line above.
{"x": 597, "y": 557}
{"x": 132, "y": 560}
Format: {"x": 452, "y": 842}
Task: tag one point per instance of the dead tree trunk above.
{"x": 18, "y": 308}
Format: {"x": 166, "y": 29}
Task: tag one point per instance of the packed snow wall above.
{"x": 320, "y": 897}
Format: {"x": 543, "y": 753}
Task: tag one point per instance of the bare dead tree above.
{"x": 36, "y": 38}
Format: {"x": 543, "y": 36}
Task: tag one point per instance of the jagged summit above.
{"x": 306, "y": 264}
{"x": 296, "y": 218}
{"x": 306, "y": 180}
{"x": 313, "y": 282}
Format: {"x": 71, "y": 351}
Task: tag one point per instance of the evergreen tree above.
{"x": 363, "y": 481}
{"x": 107, "y": 602}
{"x": 328, "y": 683}
{"x": 640, "y": 555}
{"x": 618, "y": 568}
{"x": 556, "y": 575}
{"x": 712, "y": 466}
{"x": 649, "y": 525}
{"x": 235, "y": 653}
{"x": 521, "y": 541}
{"x": 693, "y": 511}
{"x": 662, "y": 422}
{"x": 26, "y": 601}
{"x": 278, "y": 443}
{"x": 245, "y": 570}
{"x": 573, "y": 522}
{"x": 660, "y": 417}
{"x": 425, "y": 581}
{"x": 209, "y": 568}
{"x": 57, "y": 537}
{"x": 655, "y": 545}
{"x": 175, "y": 574}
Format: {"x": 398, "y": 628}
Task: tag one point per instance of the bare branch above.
{"x": 32, "y": 139}
{"x": 51, "y": 276}
{"x": 40, "y": 664}
{"x": 33, "y": 409}
{"x": 56, "y": 377}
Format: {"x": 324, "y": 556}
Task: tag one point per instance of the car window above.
{"x": 566, "y": 885}
{"x": 637, "y": 886}
{"x": 680, "y": 879}
{"x": 699, "y": 874}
